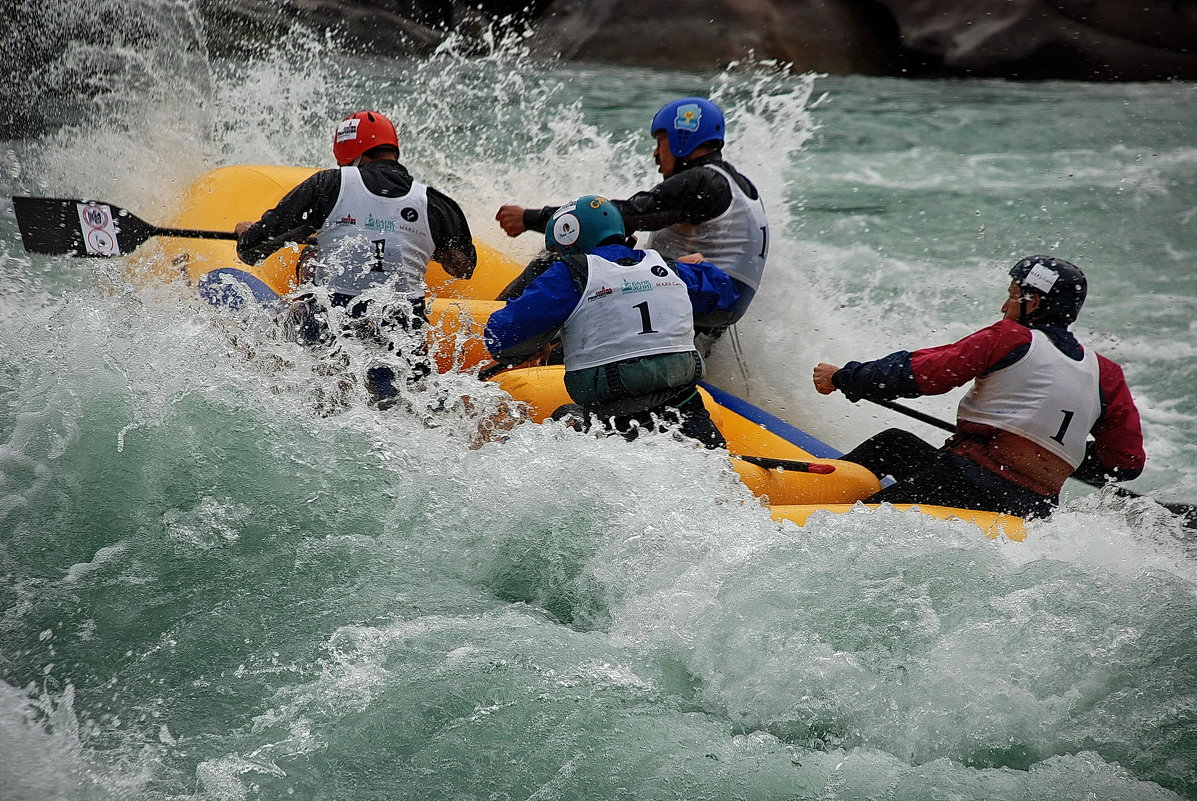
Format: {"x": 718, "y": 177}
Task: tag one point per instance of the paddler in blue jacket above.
{"x": 626, "y": 322}
{"x": 703, "y": 205}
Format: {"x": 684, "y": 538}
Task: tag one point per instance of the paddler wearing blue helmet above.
{"x": 626, "y": 322}
{"x": 703, "y": 206}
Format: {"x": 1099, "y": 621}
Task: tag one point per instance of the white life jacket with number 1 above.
{"x": 369, "y": 240}
{"x": 1045, "y": 397}
{"x": 628, "y": 311}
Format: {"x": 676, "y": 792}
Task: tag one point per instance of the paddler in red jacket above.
{"x": 1024, "y": 426}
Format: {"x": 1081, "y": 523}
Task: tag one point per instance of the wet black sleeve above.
{"x": 1094, "y": 473}
{"x": 452, "y": 241}
{"x": 691, "y": 196}
{"x": 300, "y": 213}
{"x": 538, "y": 219}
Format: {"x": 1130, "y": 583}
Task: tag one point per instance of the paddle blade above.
{"x": 1187, "y": 512}
{"x": 62, "y": 227}
{"x": 769, "y": 463}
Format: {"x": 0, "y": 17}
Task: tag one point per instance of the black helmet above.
{"x": 1061, "y": 284}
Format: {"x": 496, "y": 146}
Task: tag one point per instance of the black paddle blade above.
{"x": 62, "y": 227}
{"x": 1187, "y": 512}
{"x": 770, "y": 463}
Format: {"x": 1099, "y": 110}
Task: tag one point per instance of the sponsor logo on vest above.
{"x": 348, "y": 219}
{"x": 601, "y": 293}
{"x": 636, "y": 286}
{"x": 669, "y": 283}
{"x": 410, "y": 214}
{"x": 659, "y": 270}
{"x": 382, "y": 226}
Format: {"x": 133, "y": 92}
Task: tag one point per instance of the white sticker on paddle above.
{"x": 1041, "y": 278}
{"x": 99, "y": 229}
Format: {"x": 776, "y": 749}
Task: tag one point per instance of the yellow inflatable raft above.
{"x": 226, "y": 196}
{"x": 994, "y": 524}
{"x": 458, "y": 310}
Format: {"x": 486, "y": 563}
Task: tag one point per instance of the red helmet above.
{"x": 359, "y": 132}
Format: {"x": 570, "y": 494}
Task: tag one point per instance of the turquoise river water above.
{"x": 210, "y": 591}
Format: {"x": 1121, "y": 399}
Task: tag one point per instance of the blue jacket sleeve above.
{"x": 710, "y": 288}
{"x": 528, "y": 322}
{"x": 882, "y": 379}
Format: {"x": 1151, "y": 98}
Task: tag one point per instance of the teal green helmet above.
{"x": 583, "y": 225}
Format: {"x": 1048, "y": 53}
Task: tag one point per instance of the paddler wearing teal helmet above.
{"x": 625, "y": 318}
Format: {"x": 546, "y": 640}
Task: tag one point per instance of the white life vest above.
{"x": 1045, "y": 397}
{"x": 369, "y": 240}
{"x": 737, "y": 241}
{"x": 628, "y": 311}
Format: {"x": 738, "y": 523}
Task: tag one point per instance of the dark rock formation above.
{"x": 400, "y": 28}
{"x": 1066, "y": 39}
{"x": 1019, "y": 39}
{"x": 839, "y": 36}
{"x": 58, "y": 55}
{"x": 1069, "y": 39}
{"x": 381, "y": 27}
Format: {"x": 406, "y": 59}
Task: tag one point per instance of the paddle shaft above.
{"x": 917, "y": 415}
{"x": 190, "y": 233}
{"x": 1186, "y": 511}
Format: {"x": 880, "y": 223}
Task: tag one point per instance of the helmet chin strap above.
{"x": 1023, "y": 313}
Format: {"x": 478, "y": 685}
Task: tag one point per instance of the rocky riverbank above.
{"x": 1018, "y": 39}
{"x": 55, "y": 56}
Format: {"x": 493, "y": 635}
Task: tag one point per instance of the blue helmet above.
{"x": 689, "y": 122}
{"x": 583, "y": 225}
{"x": 1060, "y": 284}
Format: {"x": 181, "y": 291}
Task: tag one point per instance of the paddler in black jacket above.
{"x": 703, "y": 206}
{"x": 376, "y": 230}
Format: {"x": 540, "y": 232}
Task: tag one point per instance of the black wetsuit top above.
{"x": 304, "y": 209}
{"x": 688, "y": 196}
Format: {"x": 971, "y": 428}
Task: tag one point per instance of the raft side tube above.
{"x": 543, "y": 390}
{"x": 225, "y": 196}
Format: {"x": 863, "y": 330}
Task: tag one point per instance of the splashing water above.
{"x": 217, "y": 587}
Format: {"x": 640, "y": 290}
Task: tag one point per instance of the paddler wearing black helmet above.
{"x": 1038, "y": 395}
